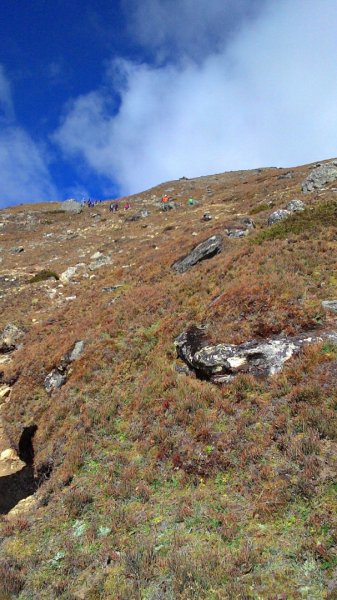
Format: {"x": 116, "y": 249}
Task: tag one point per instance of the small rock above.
{"x": 330, "y": 305}
{"x": 287, "y": 175}
{"x": 112, "y": 288}
{"x": 54, "y": 380}
{"x": 248, "y": 223}
{"x": 5, "y": 390}
{"x": 99, "y": 260}
{"x": 72, "y": 272}
{"x": 295, "y": 206}
{"x": 17, "y": 250}
{"x": 141, "y": 214}
{"x": 76, "y": 351}
{"x": 9, "y": 338}
{"x": 236, "y": 233}
{"x": 207, "y": 217}
{"x": 278, "y": 215}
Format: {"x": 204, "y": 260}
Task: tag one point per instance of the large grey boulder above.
{"x": 206, "y": 249}
{"x": 278, "y": 215}
{"x": 71, "y": 206}
{"x": 320, "y": 176}
{"x": 220, "y": 363}
{"x": 9, "y": 338}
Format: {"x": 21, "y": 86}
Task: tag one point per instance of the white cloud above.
{"x": 187, "y": 27}
{"x": 267, "y": 98}
{"x": 6, "y": 104}
{"x": 24, "y": 174}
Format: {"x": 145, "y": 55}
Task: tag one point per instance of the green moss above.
{"x": 311, "y": 219}
{"x": 43, "y": 276}
{"x": 259, "y": 208}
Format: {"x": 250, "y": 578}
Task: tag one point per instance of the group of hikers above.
{"x": 166, "y": 202}
{"x": 90, "y": 203}
{"x": 166, "y": 199}
{"x": 114, "y": 206}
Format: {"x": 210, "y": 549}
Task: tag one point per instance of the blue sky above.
{"x": 103, "y": 98}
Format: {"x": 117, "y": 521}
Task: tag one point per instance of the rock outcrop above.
{"x": 330, "y": 305}
{"x": 73, "y": 273}
{"x": 278, "y": 215}
{"x": 71, "y": 206}
{"x": 220, "y": 363}
{"x": 99, "y": 260}
{"x": 205, "y": 250}
{"x": 320, "y": 176}
{"x": 58, "y": 376}
{"x": 9, "y": 338}
{"x": 295, "y": 206}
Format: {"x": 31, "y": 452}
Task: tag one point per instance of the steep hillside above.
{"x": 168, "y": 427}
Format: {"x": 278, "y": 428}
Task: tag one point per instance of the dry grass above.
{"x": 163, "y": 485}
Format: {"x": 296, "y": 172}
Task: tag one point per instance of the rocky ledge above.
{"x": 220, "y": 363}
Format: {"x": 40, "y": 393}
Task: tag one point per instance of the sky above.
{"x": 104, "y": 98}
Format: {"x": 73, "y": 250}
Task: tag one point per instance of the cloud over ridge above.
{"x": 24, "y": 173}
{"x": 265, "y": 97}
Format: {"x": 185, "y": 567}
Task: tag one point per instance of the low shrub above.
{"x": 43, "y": 276}
{"x": 321, "y": 215}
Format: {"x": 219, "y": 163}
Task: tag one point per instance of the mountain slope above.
{"x": 154, "y": 482}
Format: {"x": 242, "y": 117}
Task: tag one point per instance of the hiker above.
{"x": 165, "y": 199}
{"x": 127, "y": 206}
{"x": 191, "y": 202}
{"x": 113, "y": 207}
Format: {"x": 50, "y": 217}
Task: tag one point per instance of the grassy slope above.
{"x": 187, "y": 490}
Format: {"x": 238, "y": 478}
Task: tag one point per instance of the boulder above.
{"x": 54, "y": 380}
{"x": 58, "y": 376}
{"x": 248, "y": 223}
{"x": 99, "y": 260}
{"x": 141, "y": 214}
{"x": 220, "y": 363}
{"x": 71, "y": 206}
{"x": 205, "y": 250}
{"x": 236, "y": 233}
{"x": 278, "y": 215}
{"x": 9, "y": 338}
{"x": 320, "y": 176}
{"x": 287, "y": 175}
{"x": 72, "y": 272}
{"x": 76, "y": 351}
{"x": 295, "y": 206}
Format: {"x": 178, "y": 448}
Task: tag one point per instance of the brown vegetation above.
{"x": 162, "y": 485}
